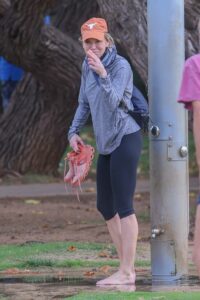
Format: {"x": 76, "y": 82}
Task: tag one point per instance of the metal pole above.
{"x": 168, "y": 141}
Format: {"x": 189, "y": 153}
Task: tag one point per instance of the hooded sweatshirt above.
{"x": 101, "y": 97}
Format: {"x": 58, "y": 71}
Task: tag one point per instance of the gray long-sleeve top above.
{"x": 101, "y": 97}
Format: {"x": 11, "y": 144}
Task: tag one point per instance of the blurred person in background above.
{"x": 189, "y": 95}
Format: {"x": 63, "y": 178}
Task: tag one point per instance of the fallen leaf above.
{"x": 71, "y": 248}
{"x": 104, "y": 254}
{"x": 105, "y": 269}
{"x": 89, "y": 273}
{"x": 32, "y": 201}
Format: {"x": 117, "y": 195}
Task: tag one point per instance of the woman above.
{"x": 189, "y": 95}
{"x": 106, "y": 80}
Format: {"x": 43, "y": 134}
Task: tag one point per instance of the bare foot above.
{"x": 119, "y": 287}
{"x": 118, "y": 278}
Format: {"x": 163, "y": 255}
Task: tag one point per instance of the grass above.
{"x": 138, "y": 296}
{"x": 27, "y": 255}
{"x": 57, "y": 255}
{"x": 193, "y": 168}
{"x": 144, "y": 216}
{"x": 68, "y": 263}
{"x": 143, "y": 168}
{"x": 31, "y": 256}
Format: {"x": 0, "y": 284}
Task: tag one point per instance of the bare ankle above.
{"x": 127, "y": 272}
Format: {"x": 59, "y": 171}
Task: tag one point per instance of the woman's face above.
{"x": 97, "y": 47}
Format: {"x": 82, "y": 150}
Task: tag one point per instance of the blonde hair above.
{"x": 108, "y": 38}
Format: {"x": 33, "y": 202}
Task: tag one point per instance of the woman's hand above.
{"x": 95, "y": 64}
{"x": 74, "y": 141}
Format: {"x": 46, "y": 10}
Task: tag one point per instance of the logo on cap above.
{"x": 91, "y": 25}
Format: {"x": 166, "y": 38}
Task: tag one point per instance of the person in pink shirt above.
{"x": 190, "y": 95}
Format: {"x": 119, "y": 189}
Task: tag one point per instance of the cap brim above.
{"x": 93, "y": 35}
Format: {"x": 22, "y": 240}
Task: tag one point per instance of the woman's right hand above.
{"x": 74, "y": 141}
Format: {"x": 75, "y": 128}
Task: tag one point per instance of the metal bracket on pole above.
{"x": 155, "y": 232}
{"x": 176, "y": 151}
{"x": 163, "y": 131}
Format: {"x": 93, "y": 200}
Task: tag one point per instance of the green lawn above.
{"x": 66, "y": 255}
{"x": 138, "y": 296}
{"x": 58, "y": 255}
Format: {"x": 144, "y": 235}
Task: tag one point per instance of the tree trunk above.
{"x": 192, "y": 26}
{"x": 128, "y": 24}
{"x": 34, "y": 139}
{"x": 33, "y": 129}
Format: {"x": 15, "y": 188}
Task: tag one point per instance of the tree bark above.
{"x": 128, "y": 24}
{"x": 33, "y": 129}
{"x": 192, "y": 26}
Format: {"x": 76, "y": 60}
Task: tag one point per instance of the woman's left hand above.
{"x": 95, "y": 64}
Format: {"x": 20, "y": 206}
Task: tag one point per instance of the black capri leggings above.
{"x": 116, "y": 177}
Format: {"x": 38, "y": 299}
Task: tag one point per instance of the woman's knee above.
{"x": 126, "y": 213}
{"x": 105, "y": 212}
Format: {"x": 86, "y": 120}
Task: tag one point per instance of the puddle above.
{"x": 186, "y": 283}
{"x": 56, "y": 287}
{"x": 48, "y": 279}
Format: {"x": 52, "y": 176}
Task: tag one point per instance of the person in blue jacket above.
{"x": 9, "y": 77}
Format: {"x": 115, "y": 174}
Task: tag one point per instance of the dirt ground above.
{"x": 65, "y": 219}
{"x": 61, "y": 219}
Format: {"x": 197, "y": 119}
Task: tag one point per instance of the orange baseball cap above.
{"x": 94, "y": 28}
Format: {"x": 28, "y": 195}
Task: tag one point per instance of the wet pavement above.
{"x": 60, "y": 286}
